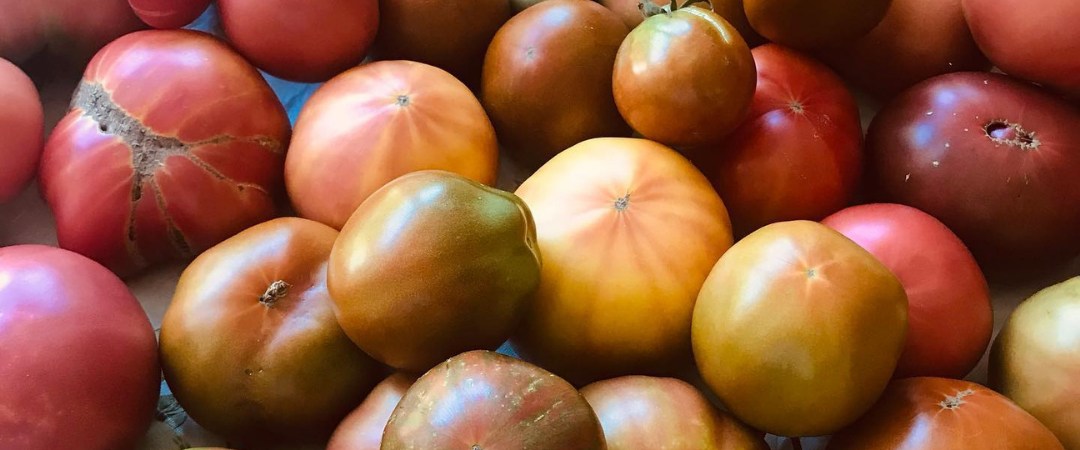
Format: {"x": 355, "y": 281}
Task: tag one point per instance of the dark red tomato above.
{"x": 22, "y": 125}
{"x": 992, "y": 157}
{"x": 79, "y": 358}
{"x": 799, "y": 155}
{"x": 70, "y": 28}
{"x": 950, "y": 317}
{"x": 813, "y": 24}
{"x": 168, "y": 13}
{"x": 917, "y": 40}
{"x": 363, "y": 428}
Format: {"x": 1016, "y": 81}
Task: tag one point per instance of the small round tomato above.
{"x": 22, "y": 125}
{"x": 684, "y": 78}
{"x": 807, "y": 25}
{"x": 168, "y": 13}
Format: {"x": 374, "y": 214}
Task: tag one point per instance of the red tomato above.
{"x": 799, "y": 155}
{"x": 994, "y": 158}
{"x": 71, "y": 28}
{"x": 950, "y": 317}
{"x": 79, "y": 355}
{"x": 363, "y": 428}
{"x": 1034, "y": 41}
{"x": 301, "y": 40}
{"x": 22, "y": 125}
{"x": 942, "y": 414}
{"x": 173, "y": 144}
{"x": 814, "y": 24}
{"x": 169, "y": 13}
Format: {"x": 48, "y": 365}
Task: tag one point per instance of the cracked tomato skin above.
{"x": 173, "y": 144}
{"x": 994, "y": 158}
{"x": 22, "y": 123}
{"x": 482, "y": 400}
{"x": 939, "y": 413}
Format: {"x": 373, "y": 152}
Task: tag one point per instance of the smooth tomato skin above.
{"x": 547, "y": 79}
{"x": 482, "y": 399}
{"x": 363, "y": 428}
{"x": 167, "y": 14}
{"x": 940, "y": 413}
{"x": 950, "y": 316}
{"x": 80, "y": 357}
{"x": 798, "y": 155}
{"x": 74, "y": 29}
{"x": 798, "y": 329}
{"x": 620, "y": 271}
{"x": 930, "y": 149}
{"x": 255, "y": 364}
{"x": 1036, "y": 359}
{"x": 808, "y": 25}
{"x": 22, "y": 124}
{"x": 377, "y": 122}
{"x": 647, "y": 413}
{"x": 1033, "y": 42}
{"x": 730, "y": 10}
{"x": 146, "y": 169}
{"x": 301, "y": 40}
{"x": 685, "y": 78}
{"x": 917, "y": 40}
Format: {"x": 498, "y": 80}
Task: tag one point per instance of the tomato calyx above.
{"x": 953, "y": 402}
{"x": 1008, "y": 133}
{"x": 276, "y": 291}
{"x": 622, "y": 203}
{"x": 649, "y": 9}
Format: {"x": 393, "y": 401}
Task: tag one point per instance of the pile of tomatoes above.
{"x": 707, "y": 249}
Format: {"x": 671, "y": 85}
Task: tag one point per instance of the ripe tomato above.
{"x": 169, "y": 13}
{"x": 646, "y": 413}
{"x": 547, "y": 78}
{"x": 799, "y": 155}
{"x": 806, "y": 25}
{"x": 798, "y": 329}
{"x": 1036, "y": 42}
{"x": 1036, "y": 359}
{"x": 363, "y": 428}
{"x": 684, "y": 78}
{"x": 377, "y": 122}
{"x": 301, "y": 40}
{"x": 79, "y": 355}
{"x": 71, "y": 28}
{"x": 145, "y": 169}
{"x": 950, "y": 317}
{"x": 631, "y": 12}
{"x": 250, "y": 345}
{"x": 22, "y": 124}
{"x": 992, "y": 157}
{"x": 628, "y": 229}
{"x": 944, "y": 414}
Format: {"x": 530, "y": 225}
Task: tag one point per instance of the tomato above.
{"x": 798, "y": 155}
{"x": 363, "y": 428}
{"x": 547, "y": 78}
{"x": 631, "y": 12}
{"x": 377, "y": 122}
{"x": 1031, "y": 41}
{"x": 450, "y": 35}
{"x": 173, "y": 144}
{"x": 646, "y": 413}
{"x": 950, "y": 316}
{"x": 22, "y": 123}
{"x": 945, "y": 414}
{"x": 250, "y": 345}
{"x": 79, "y": 354}
{"x": 798, "y": 330}
{"x": 484, "y": 400}
{"x": 1036, "y": 359}
{"x": 684, "y": 78}
{"x": 993, "y": 158}
{"x": 74, "y": 29}
{"x": 169, "y": 13}
{"x": 917, "y": 40}
{"x": 301, "y": 40}
{"x": 807, "y": 25}
{"x": 629, "y": 230}
{"x": 431, "y": 265}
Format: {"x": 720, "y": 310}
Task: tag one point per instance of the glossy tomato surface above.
{"x": 647, "y": 413}
{"x": 146, "y": 169}
{"x": 363, "y": 428}
{"x": 632, "y": 13}
{"x": 684, "y": 78}
{"x": 301, "y": 40}
{"x": 169, "y": 13}
{"x": 950, "y": 317}
{"x": 79, "y": 354}
{"x": 807, "y": 25}
{"x": 798, "y": 155}
{"x": 22, "y": 125}
{"x": 547, "y": 79}
{"x": 484, "y": 400}
{"x": 628, "y": 229}
{"x": 1036, "y": 359}
{"x": 377, "y": 122}
{"x": 939, "y": 413}
{"x": 992, "y": 157}
{"x": 73, "y": 29}
{"x": 250, "y": 345}
{"x": 798, "y": 329}
{"x": 1036, "y": 42}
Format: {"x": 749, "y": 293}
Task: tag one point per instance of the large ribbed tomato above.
{"x": 628, "y": 230}
{"x": 22, "y": 123}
